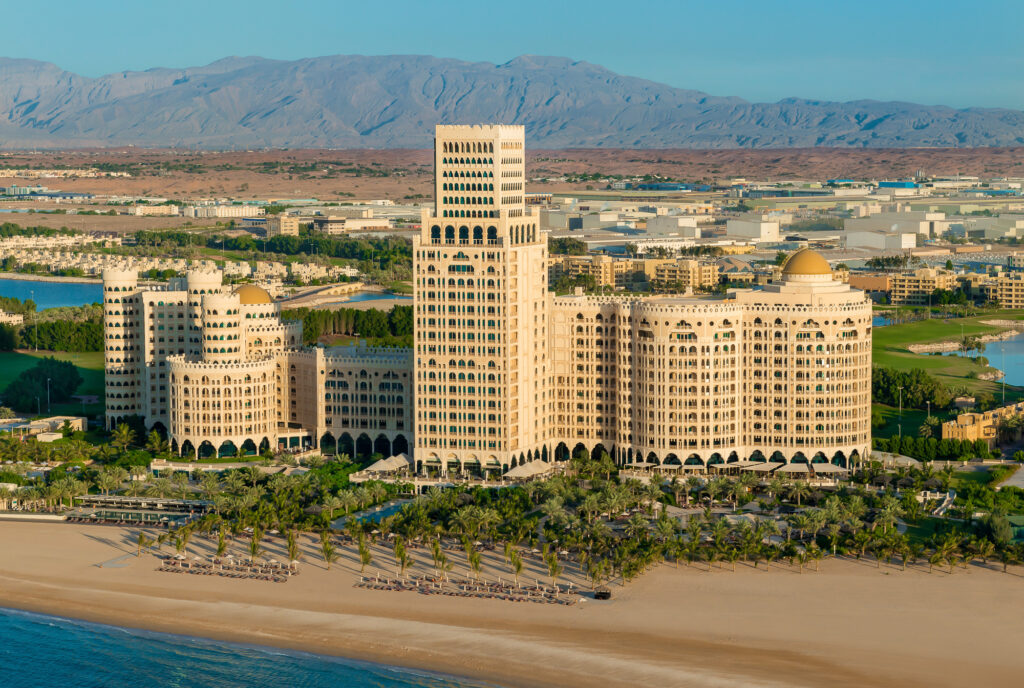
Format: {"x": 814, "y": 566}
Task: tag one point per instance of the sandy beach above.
{"x": 851, "y": 624}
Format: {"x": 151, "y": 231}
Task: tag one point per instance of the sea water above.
{"x": 39, "y": 651}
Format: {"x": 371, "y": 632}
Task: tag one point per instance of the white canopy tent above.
{"x": 397, "y": 462}
{"x": 823, "y": 468}
{"x": 795, "y": 468}
{"x": 528, "y": 470}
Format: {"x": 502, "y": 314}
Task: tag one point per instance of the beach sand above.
{"x": 851, "y": 624}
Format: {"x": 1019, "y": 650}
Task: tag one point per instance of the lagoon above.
{"x": 52, "y": 294}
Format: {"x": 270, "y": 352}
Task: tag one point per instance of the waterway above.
{"x": 1006, "y": 355}
{"x": 52, "y": 294}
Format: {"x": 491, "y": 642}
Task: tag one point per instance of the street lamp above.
{"x": 900, "y": 424}
{"x": 48, "y": 395}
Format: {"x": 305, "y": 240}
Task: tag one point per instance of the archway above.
{"x": 206, "y": 450}
{"x": 777, "y": 457}
{"x": 758, "y": 457}
{"x": 382, "y": 445}
{"x": 561, "y": 452}
{"x": 227, "y": 449}
{"x": 264, "y": 445}
{"x": 693, "y": 460}
{"x": 715, "y": 458}
{"x": 364, "y": 445}
{"x": 328, "y": 445}
{"x": 839, "y": 459}
{"x": 400, "y": 445}
{"x": 819, "y": 458}
{"x": 249, "y": 448}
{"x": 653, "y": 458}
{"x": 599, "y": 452}
{"x": 798, "y": 458}
{"x": 160, "y": 429}
{"x": 346, "y": 445}
{"x": 673, "y": 460}
{"x": 188, "y": 449}
{"x": 854, "y": 459}
{"x": 733, "y": 458}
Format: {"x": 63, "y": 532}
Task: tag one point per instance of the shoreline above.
{"x": 239, "y": 644}
{"x": 29, "y": 277}
{"x": 851, "y": 624}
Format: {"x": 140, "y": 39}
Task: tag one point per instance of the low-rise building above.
{"x": 971, "y": 427}
{"x": 13, "y": 319}
{"x": 915, "y": 288}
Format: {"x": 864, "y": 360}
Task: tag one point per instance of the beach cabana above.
{"x": 391, "y": 464}
{"x": 528, "y": 470}
{"x": 827, "y": 468}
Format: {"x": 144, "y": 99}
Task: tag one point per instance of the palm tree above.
{"x": 799, "y": 489}
{"x": 636, "y": 527}
{"x": 255, "y": 547}
{"x": 222, "y": 542}
{"x": 143, "y": 542}
{"x": 554, "y": 568}
{"x": 293, "y": 545}
{"x": 365, "y": 555}
{"x": 122, "y": 436}
{"x": 327, "y": 550}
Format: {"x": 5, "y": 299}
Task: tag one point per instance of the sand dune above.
{"x": 851, "y": 624}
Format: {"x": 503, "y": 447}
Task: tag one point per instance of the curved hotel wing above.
{"x": 502, "y": 371}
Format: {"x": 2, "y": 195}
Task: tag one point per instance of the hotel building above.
{"x": 501, "y": 371}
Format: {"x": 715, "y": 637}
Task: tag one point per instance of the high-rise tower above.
{"x": 481, "y": 343}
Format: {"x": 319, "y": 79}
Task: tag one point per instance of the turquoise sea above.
{"x": 38, "y": 651}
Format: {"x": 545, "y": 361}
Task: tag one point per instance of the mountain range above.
{"x": 354, "y": 101}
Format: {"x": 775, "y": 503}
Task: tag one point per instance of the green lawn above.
{"x": 889, "y": 349}
{"x": 90, "y": 367}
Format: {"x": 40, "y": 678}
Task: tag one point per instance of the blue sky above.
{"x": 934, "y": 52}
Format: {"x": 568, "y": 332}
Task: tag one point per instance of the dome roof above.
{"x": 806, "y": 262}
{"x": 250, "y": 294}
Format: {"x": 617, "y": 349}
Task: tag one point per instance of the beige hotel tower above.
{"x": 482, "y": 374}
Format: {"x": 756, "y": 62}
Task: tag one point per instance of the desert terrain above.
{"x": 407, "y": 175}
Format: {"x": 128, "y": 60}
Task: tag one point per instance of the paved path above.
{"x": 1015, "y": 480}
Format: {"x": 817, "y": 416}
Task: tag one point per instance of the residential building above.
{"x": 915, "y": 287}
{"x": 971, "y": 427}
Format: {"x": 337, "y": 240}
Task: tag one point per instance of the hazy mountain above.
{"x": 351, "y": 101}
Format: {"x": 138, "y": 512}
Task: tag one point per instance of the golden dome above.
{"x": 806, "y": 262}
{"x": 250, "y": 294}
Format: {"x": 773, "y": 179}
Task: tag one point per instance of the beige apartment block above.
{"x": 607, "y": 271}
{"x": 914, "y": 288}
{"x": 686, "y": 275}
{"x": 1006, "y": 289}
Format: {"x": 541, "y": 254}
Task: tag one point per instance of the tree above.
{"x": 327, "y": 548}
{"x": 142, "y": 542}
{"x": 122, "y": 436}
